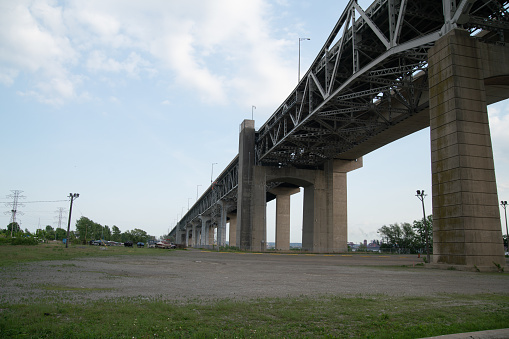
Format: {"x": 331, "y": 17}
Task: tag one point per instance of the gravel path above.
{"x": 201, "y": 275}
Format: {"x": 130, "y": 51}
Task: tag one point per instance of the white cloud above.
{"x": 216, "y": 50}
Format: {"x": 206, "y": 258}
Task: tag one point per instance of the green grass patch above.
{"x": 12, "y": 255}
{"x": 375, "y": 316}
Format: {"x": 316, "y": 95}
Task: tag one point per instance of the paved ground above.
{"x": 195, "y": 274}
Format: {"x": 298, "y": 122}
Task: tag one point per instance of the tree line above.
{"x": 86, "y": 230}
{"x": 89, "y": 230}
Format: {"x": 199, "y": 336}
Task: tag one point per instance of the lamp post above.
{"x": 300, "y": 39}
{"x": 188, "y": 203}
{"x": 253, "y": 107}
{"x": 72, "y": 196}
{"x": 212, "y": 173}
{"x": 197, "y": 192}
{"x": 504, "y": 205}
{"x": 421, "y": 195}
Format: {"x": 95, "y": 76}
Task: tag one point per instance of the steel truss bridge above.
{"x": 370, "y": 77}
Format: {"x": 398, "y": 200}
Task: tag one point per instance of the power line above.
{"x": 31, "y": 202}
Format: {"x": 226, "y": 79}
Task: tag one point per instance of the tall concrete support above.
{"x": 325, "y": 222}
{"x": 196, "y": 238}
{"x": 221, "y": 228}
{"x": 466, "y": 218}
{"x": 283, "y": 216}
{"x": 245, "y": 184}
{"x": 187, "y": 236}
{"x": 233, "y": 229}
{"x": 210, "y": 234}
{"x": 203, "y": 239}
{"x": 178, "y": 236}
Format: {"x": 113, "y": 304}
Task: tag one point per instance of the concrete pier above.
{"x": 466, "y": 217}
{"x": 283, "y": 216}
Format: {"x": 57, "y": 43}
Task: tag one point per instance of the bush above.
{"x": 24, "y": 241}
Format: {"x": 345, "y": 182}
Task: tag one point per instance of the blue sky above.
{"x": 129, "y": 103}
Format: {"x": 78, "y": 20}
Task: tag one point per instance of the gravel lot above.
{"x": 203, "y": 275}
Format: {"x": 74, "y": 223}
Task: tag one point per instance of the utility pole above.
{"x": 420, "y": 194}
{"x": 15, "y": 196}
{"x": 72, "y": 196}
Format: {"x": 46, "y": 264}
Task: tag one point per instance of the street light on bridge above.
{"x": 420, "y": 194}
{"x": 300, "y": 39}
{"x": 197, "y": 192}
{"x": 212, "y": 174}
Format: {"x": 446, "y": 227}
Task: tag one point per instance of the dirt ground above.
{"x": 207, "y": 275}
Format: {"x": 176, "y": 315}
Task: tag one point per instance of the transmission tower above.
{"x": 61, "y": 212}
{"x": 15, "y": 196}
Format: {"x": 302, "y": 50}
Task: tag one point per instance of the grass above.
{"x": 13, "y": 255}
{"x": 375, "y": 316}
{"x": 331, "y": 316}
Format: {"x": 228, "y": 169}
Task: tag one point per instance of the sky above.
{"x": 130, "y": 103}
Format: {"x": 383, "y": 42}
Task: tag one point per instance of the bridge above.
{"x": 383, "y": 73}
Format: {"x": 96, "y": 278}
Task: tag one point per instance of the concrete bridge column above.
{"x": 221, "y": 228}
{"x": 233, "y": 229}
{"x": 251, "y": 200}
{"x": 325, "y": 222}
{"x": 210, "y": 232}
{"x": 194, "y": 234}
{"x": 283, "y": 216}
{"x": 204, "y": 220}
{"x": 466, "y": 217}
{"x": 187, "y": 236}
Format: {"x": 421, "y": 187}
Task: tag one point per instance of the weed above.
{"x": 499, "y": 267}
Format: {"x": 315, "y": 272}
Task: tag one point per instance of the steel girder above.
{"x": 370, "y": 74}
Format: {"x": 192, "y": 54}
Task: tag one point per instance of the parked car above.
{"x": 165, "y": 245}
{"x": 128, "y": 244}
{"x": 140, "y": 244}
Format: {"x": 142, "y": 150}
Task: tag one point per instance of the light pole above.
{"x": 188, "y": 203}
{"x": 72, "y": 196}
{"x": 300, "y": 39}
{"x": 504, "y": 205}
{"x": 421, "y": 195}
{"x": 197, "y": 192}
{"x": 212, "y": 173}
{"x": 252, "y": 112}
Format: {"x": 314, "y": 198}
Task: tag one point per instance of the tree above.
{"x": 87, "y": 229}
{"x": 420, "y": 229}
{"x": 406, "y": 236}
{"x": 49, "y": 233}
{"x": 135, "y": 236}
{"x": 106, "y": 233}
{"x": 398, "y": 237}
{"x": 13, "y": 227}
{"x": 117, "y": 235}
{"x": 60, "y": 233}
